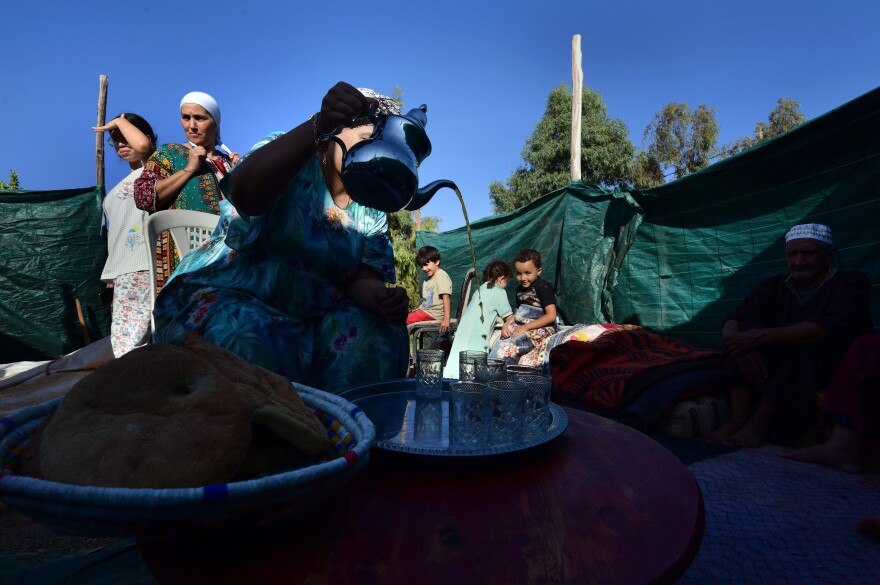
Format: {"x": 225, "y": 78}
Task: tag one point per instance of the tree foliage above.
{"x": 403, "y": 242}
{"x": 607, "y": 154}
{"x": 12, "y": 184}
{"x": 679, "y": 139}
{"x": 397, "y": 95}
{"x": 682, "y": 139}
{"x": 785, "y": 116}
{"x": 647, "y": 172}
{"x": 738, "y": 145}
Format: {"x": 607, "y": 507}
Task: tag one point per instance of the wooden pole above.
{"x": 82, "y": 322}
{"x": 577, "y": 95}
{"x": 99, "y": 136}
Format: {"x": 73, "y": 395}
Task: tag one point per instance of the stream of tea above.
{"x": 467, "y": 223}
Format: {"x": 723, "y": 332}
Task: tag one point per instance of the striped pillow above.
{"x": 697, "y": 416}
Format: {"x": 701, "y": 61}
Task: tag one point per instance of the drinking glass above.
{"x": 506, "y": 401}
{"x": 536, "y": 407}
{"x": 513, "y": 371}
{"x": 494, "y": 371}
{"x": 468, "y": 414}
{"x": 428, "y": 426}
{"x": 469, "y": 363}
{"x": 429, "y": 373}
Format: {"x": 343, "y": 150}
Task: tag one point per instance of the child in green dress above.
{"x": 478, "y": 320}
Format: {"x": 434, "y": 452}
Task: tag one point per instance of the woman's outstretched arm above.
{"x": 260, "y": 178}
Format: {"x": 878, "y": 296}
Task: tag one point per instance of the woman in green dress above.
{"x": 186, "y": 175}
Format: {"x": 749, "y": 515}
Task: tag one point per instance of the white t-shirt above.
{"x": 126, "y": 239}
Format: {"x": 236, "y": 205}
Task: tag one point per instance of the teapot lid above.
{"x": 418, "y": 115}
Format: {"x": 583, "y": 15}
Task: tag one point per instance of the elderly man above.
{"x": 787, "y": 338}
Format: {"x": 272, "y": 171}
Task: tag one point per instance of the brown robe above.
{"x": 798, "y": 372}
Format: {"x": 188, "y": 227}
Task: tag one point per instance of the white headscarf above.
{"x": 210, "y": 104}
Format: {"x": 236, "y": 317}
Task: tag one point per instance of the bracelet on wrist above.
{"x": 315, "y": 136}
{"x": 321, "y": 140}
{"x": 187, "y": 170}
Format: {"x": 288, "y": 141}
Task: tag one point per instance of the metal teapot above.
{"x": 382, "y": 171}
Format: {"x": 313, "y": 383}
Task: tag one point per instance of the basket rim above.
{"x": 349, "y": 415}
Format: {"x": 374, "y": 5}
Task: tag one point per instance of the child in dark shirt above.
{"x": 535, "y": 314}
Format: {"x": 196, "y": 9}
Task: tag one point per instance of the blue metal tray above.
{"x": 408, "y": 424}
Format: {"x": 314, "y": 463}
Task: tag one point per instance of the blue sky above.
{"x": 484, "y": 68}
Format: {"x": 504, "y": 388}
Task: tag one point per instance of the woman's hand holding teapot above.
{"x": 340, "y": 107}
{"x": 393, "y": 305}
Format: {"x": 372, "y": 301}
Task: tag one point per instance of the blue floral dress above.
{"x": 271, "y": 289}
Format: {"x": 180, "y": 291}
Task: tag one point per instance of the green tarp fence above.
{"x": 53, "y": 251}
{"x": 581, "y": 231}
{"x": 680, "y": 257}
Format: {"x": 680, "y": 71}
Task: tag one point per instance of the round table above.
{"x": 601, "y": 504}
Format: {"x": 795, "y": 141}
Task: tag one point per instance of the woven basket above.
{"x": 142, "y": 513}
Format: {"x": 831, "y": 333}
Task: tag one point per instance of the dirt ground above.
{"x": 19, "y": 534}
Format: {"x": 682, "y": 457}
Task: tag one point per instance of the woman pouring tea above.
{"x": 295, "y": 278}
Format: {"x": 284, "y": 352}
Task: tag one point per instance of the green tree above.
{"x": 646, "y": 171}
{"x": 682, "y": 139}
{"x": 607, "y": 154}
{"x": 12, "y": 184}
{"x": 403, "y": 242}
{"x": 397, "y": 95}
{"x": 738, "y": 145}
{"x": 785, "y": 116}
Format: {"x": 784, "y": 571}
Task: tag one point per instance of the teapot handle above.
{"x": 371, "y": 114}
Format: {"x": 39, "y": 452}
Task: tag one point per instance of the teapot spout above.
{"x": 423, "y": 195}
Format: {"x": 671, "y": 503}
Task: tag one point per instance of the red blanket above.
{"x": 614, "y": 369}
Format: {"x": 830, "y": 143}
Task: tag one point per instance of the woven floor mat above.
{"x": 772, "y": 520}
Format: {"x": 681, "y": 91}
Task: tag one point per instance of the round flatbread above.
{"x": 273, "y": 400}
{"x": 157, "y": 417}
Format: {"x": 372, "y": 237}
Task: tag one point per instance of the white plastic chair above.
{"x": 189, "y": 229}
